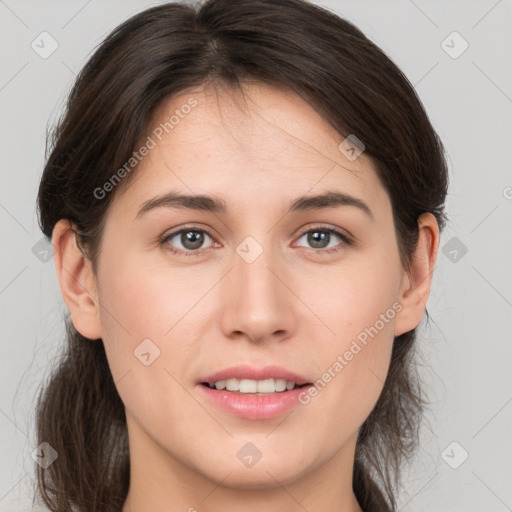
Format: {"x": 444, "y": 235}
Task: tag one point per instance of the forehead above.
{"x": 261, "y": 142}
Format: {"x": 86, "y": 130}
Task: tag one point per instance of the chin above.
{"x": 258, "y": 479}
{"x": 268, "y": 472}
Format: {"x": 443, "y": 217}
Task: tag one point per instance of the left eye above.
{"x": 318, "y": 238}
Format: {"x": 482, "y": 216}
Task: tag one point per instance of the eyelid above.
{"x": 186, "y": 228}
{"x": 325, "y": 227}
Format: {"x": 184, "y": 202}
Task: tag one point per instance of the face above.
{"x": 304, "y": 291}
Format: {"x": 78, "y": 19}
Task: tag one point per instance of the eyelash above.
{"x": 164, "y": 240}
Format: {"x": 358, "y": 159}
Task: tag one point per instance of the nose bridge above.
{"x": 253, "y": 266}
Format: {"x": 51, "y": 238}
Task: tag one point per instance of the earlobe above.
{"x": 76, "y": 280}
{"x": 415, "y": 286}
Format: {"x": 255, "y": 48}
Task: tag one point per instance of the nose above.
{"x": 258, "y": 303}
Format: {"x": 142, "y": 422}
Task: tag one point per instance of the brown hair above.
{"x": 160, "y": 52}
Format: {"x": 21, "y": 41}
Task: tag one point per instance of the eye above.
{"x": 191, "y": 240}
{"x": 319, "y": 238}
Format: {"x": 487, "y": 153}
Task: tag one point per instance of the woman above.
{"x": 245, "y": 201}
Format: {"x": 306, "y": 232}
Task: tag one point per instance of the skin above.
{"x": 294, "y": 306}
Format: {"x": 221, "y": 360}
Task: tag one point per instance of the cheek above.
{"x": 360, "y": 312}
{"x": 352, "y": 374}
{"x": 141, "y": 300}
{"x": 359, "y": 295}
{"x": 150, "y": 309}
{"x": 141, "y": 319}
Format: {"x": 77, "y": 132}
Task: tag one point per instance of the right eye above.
{"x": 190, "y": 238}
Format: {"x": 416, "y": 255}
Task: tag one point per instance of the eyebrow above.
{"x": 214, "y": 204}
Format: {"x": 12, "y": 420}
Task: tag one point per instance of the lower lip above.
{"x": 253, "y": 407}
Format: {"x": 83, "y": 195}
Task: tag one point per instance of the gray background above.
{"x": 466, "y": 348}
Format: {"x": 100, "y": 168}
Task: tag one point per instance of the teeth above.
{"x": 221, "y": 384}
{"x": 254, "y": 386}
{"x": 266, "y": 386}
{"x": 233, "y": 385}
{"x": 248, "y": 386}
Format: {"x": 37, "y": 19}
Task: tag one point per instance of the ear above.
{"x": 76, "y": 280}
{"x": 415, "y": 285}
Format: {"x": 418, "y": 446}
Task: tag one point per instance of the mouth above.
{"x": 254, "y": 387}
{"x": 253, "y": 393}
{"x": 253, "y": 405}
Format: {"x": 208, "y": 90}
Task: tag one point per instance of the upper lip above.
{"x": 253, "y": 373}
